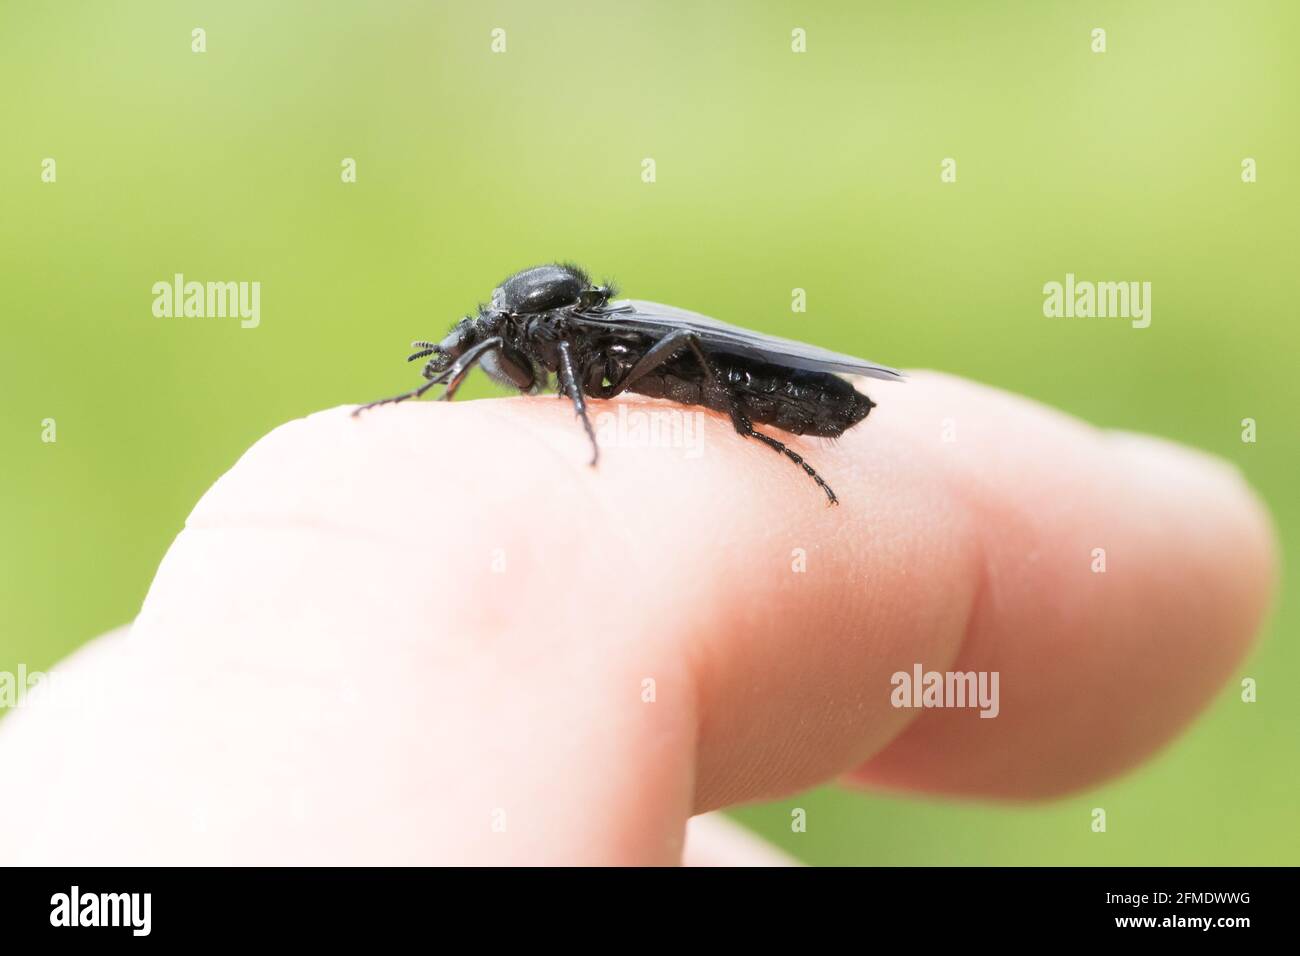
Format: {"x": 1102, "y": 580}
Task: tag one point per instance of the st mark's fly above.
{"x": 551, "y": 320}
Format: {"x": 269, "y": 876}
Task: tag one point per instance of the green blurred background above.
{"x": 775, "y": 170}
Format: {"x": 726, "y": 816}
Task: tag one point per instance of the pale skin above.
{"x": 424, "y": 635}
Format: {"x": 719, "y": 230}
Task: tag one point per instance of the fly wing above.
{"x": 717, "y": 336}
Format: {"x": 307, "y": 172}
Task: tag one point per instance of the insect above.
{"x": 551, "y": 320}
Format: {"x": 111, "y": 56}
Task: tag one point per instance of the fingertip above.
{"x": 1124, "y": 583}
{"x": 1222, "y": 520}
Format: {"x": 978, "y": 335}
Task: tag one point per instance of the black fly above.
{"x": 551, "y": 320}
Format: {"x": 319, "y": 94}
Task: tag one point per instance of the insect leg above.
{"x": 452, "y": 387}
{"x": 413, "y": 393}
{"x": 569, "y": 382}
{"x": 464, "y": 365}
{"x": 660, "y": 353}
{"x": 460, "y": 371}
{"x": 746, "y": 428}
{"x": 455, "y": 375}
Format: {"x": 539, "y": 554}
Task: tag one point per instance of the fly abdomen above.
{"x": 793, "y": 400}
{"x": 796, "y": 401}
